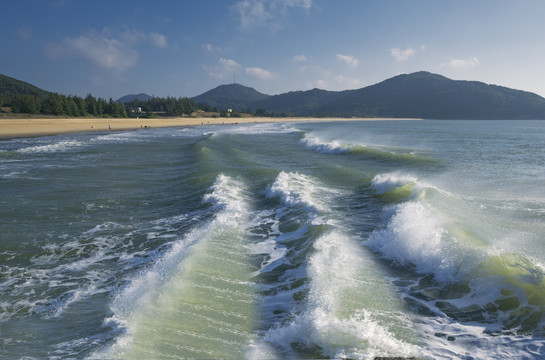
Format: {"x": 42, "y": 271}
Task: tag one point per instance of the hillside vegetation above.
{"x": 417, "y": 95}
{"x": 21, "y": 97}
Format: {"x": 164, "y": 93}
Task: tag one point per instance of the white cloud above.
{"x": 134, "y": 38}
{"x": 224, "y": 68}
{"x": 401, "y": 55}
{"x": 106, "y": 49}
{"x": 266, "y": 13}
{"x": 158, "y": 40}
{"x": 103, "y": 51}
{"x": 299, "y": 58}
{"x": 260, "y": 73}
{"x": 252, "y": 13}
{"x": 229, "y": 64}
{"x": 462, "y": 63}
{"x": 348, "y": 59}
{"x": 318, "y": 84}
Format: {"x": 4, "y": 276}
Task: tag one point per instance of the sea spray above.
{"x": 315, "y": 143}
{"x": 462, "y": 278}
{"x": 299, "y": 190}
{"x": 198, "y": 299}
{"x": 330, "y": 315}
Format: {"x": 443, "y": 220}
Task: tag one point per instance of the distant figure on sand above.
{"x": 109, "y": 127}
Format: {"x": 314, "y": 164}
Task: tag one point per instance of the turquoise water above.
{"x": 281, "y": 240}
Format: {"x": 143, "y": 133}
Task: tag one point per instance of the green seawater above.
{"x": 273, "y": 241}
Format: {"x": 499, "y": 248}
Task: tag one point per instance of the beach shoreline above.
{"x": 33, "y": 127}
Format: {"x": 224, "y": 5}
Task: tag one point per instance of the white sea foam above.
{"x": 256, "y": 129}
{"x": 299, "y": 190}
{"x": 273, "y": 251}
{"x": 120, "y": 137}
{"x": 415, "y": 236}
{"x": 13, "y": 175}
{"x": 61, "y": 146}
{"x": 333, "y": 316}
{"x": 447, "y": 339}
{"x": 383, "y": 183}
{"x": 315, "y": 143}
{"x": 69, "y": 270}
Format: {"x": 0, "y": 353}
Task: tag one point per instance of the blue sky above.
{"x": 184, "y": 48}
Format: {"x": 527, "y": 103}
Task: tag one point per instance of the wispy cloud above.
{"x": 224, "y": 68}
{"x": 260, "y": 73}
{"x": 402, "y": 54}
{"x": 319, "y": 84}
{"x": 266, "y": 13}
{"x": 135, "y": 37}
{"x": 336, "y": 83}
{"x": 102, "y": 51}
{"x": 210, "y": 48}
{"x": 348, "y": 59}
{"x": 107, "y": 49}
{"x": 300, "y": 58}
{"x": 462, "y": 63}
{"x": 157, "y": 40}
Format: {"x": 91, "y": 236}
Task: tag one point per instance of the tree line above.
{"x": 170, "y": 106}
{"x": 75, "y": 106}
{"x": 62, "y": 105}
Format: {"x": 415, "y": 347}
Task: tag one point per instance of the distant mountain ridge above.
{"x": 431, "y": 96}
{"x": 417, "y": 95}
{"x": 131, "y": 97}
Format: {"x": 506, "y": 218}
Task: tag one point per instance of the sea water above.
{"x": 269, "y": 241}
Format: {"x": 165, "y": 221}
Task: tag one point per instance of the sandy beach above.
{"x": 29, "y": 127}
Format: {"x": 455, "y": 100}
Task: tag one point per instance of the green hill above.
{"x": 232, "y": 96}
{"x": 417, "y": 95}
{"x": 432, "y": 96}
{"x": 10, "y": 86}
{"x": 300, "y": 102}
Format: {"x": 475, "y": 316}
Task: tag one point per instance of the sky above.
{"x": 183, "y": 48}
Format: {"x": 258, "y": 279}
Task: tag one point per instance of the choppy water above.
{"x": 273, "y": 241}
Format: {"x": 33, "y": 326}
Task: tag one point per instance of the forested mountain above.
{"x": 417, "y": 95}
{"x": 232, "y": 96}
{"x": 21, "y": 97}
{"x": 300, "y": 102}
{"x": 9, "y": 85}
{"x": 431, "y": 96}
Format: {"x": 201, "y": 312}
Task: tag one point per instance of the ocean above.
{"x": 289, "y": 240}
